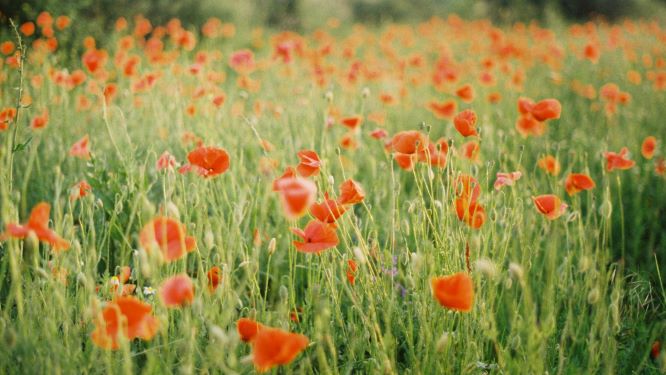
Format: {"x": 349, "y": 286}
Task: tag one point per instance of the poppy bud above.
{"x": 172, "y": 210}
{"x": 328, "y": 96}
{"x": 358, "y": 253}
{"x": 486, "y": 266}
{"x": 218, "y": 335}
{"x": 209, "y": 239}
{"x": 272, "y": 244}
{"x": 366, "y": 92}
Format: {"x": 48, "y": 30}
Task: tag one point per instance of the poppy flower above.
{"x": 177, "y": 291}
{"x": 435, "y": 154}
{"x": 465, "y": 123}
{"x": 6, "y": 116}
{"x": 577, "y": 182}
{"x": 317, "y": 237}
{"x": 379, "y": 133}
{"x": 467, "y": 187}
{"x": 81, "y": 149}
{"x": 248, "y": 328}
{"x": 655, "y": 350}
{"x": 288, "y": 173}
{"x": 648, "y": 147}
{"x": 525, "y": 105}
{"x": 124, "y": 316}
{"x": 351, "y": 192}
{"x": 209, "y": 161}
{"x": 619, "y": 160}
{"x": 351, "y": 271}
{"x": 169, "y": 236}
{"x": 527, "y": 125}
{"x": 547, "y": 109}
{"x": 242, "y": 61}
{"x": 443, "y": 110}
{"x": 352, "y": 122}
{"x": 466, "y": 93}
{"x": 470, "y": 212}
{"x": 214, "y": 277}
{"x": 309, "y": 163}
{"x": 165, "y": 161}
{"x": 273, "y": 347}
{"x": 455, "y": 292}
{"x": 327, "y": 211}
{"x": 660, "y": 166}
{"x": 296, "y": 195}
{"x": 40, "y": 121}
{"x": 79, "y": 190}
{"x": 38, "y": 223}
{"x": 27, "y": 28}
{"x": 506, "y": 179}
{"x": 408, "y": 142}
{"x": 550, "y": 165}
{"x": 471, "y": 150}
{"x": 550, "y": 206}
{"x": 7, "y": 47}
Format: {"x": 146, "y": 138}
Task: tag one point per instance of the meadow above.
{"x": 444, "y": 197}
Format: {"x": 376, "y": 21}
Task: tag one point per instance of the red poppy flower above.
{"x": 619, "y": 160}
{"x": 296, "y": 194}
{"x": 577, "y": 182}
{"x": 169, "y": 236}
{"x": 465, "y": 123}
{"x": 352, "y": 122}
{"x": 549, "y": 164}
{"x": 209, "y": 161}
{"x": 177, "y": 291}
{"x": 351, "y": 192}
{"x": 550, "y": 206}
{"x": 547, "y": 109}
{"x": 273, "y": 347}
{"x": 248, "y": 328}
{"x": 470, "y": 212}
{"x": 309, "y": 163}
{"x": 214, "y": 277}
{"x": 408, "y": 142}
{"x": 81, "y": 149}
{"x": 351, "y": 271}
{"x": 455, "y": 292}
{"x": 443, "y": 110}
{"x": 648, "y": 147}
{"x": 506, "y": 179}
{"x": 466, "y": 93}
{"x": 38, "y": 223}
{"x": 124, "y": 316}
{"x": 327, "y": 211}
{"x": 317, "y": 237}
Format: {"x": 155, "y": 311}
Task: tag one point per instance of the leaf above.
{"x": 22, "y": 146}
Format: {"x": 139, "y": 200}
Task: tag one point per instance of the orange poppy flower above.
{"x": 405, "y": 161}
{"x": 81, "y": 149}
{"x": 444, "y": 109}
{"x": 577, "y": 182}
{"x": 27, "y": 28}
{"x": 7, "y": 47}
{"x": 550, "y": 206}
{"x": 273, "y": 347}
{"x": 317, "y": 237}
{"x": 351, "y": 192}
{"x": 242, "y": 61}
{"x": 655, "y": 350}
{"x": 619, "y": 160}
{"x": 124, "y": 316}
{"x": 40, "y": 121}
{"x": 248, "y": 328}
{"x": 467, "y": 187}
{"x": 648, "y": 147}
{"x": 455, "y": 292}
{"x": 550, "y": 165}
{"x": 177, "y": 291}
{"x": 79, "y": 190}
{"x": 209, "y": 161}
{"x": 352, "y": 122}
{"x": 309, "y": 163}
{"x": 660, "y": 166}
{"x": 38, "y": 223}
{"x": 6, "y": 116}
{"x": 169, "y": 236}
{"x": 435, "y": 154}
{"x": 465, "y": 123}
{"x": 327, "y": 211}
{"x": 466, "y": 93}
{"x": 379, "y": 133}
{"x": 351, "y": 271}
{"x": 547, "y": 109}
{"x": 527, "y": 125}
{"x": 288, "y": 173}
{"x": 408, "y": 142}
{"x": 296, "y": 194}
{"x": 525, "y": 105}
{"x": 214, "y": 277}
{"x": 471, "y": 150}
{"x": 470, "y": 212}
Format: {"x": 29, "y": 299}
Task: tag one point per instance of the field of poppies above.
{"x": 444, "y": 197}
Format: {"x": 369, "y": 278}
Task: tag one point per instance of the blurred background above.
{"x": 305, "y": 15}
